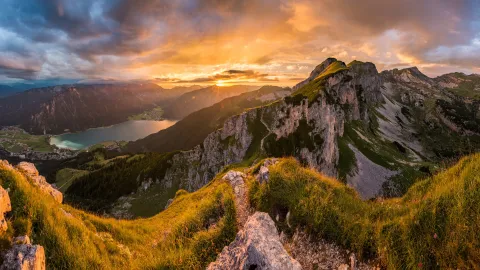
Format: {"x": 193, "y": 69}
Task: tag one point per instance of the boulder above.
{"x": 29, "y": 170}
{"x": 5, "y": 206}
{"x": 257, "y": 246}
{"x": 170, "y": 201}
{"x": 264, "y": 173}
{"x": 24, "y": 256}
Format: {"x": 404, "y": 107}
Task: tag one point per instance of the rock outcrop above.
{"x": 29, "y": 170}
{"x": 5, "y": 206}
{"x": 264, "y": 173}
{"x": 24, "y": 256}
{"x": 257, "y": 246}
{"x": 237, "y": 181}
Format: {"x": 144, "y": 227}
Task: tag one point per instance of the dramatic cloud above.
{"x": 277, "y": 41}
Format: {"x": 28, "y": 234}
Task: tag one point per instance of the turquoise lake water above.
{"x": 127, "y": 131}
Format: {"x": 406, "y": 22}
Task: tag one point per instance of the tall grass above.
{"x": 187, "y": 235}
{"x": 435, "y": 225}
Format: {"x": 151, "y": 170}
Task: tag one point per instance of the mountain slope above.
{"x": 77, "y": 107}
{"x": 194, "y": 128}
{"x": 202, "y": 98}
{"x": 187, "y": 235}
{"x": 433, "y": 225}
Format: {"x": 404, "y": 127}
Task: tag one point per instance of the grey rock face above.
{"x": 24, "y": 256}
{"x": 264, "y": 172}
{"x": 225, "y": 146}
{"x": 257, "y": 246}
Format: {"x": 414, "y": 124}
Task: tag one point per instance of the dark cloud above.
{"x": 99, "y": 38}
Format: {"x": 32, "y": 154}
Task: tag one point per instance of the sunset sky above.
{"x": 228, "y": 41}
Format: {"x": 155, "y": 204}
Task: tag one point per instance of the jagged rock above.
{"x": 5, "y": 206}
{"x": 313, "y": 253}
{"x": 170, "y": 201}
{"x": 29, "y": 170}
{"x": 314, "y": 74}
{"x": 24, "y": 256}
{"x": 21, "y": 240}
{"x": 264, "y": 173}
{"x": 237, "y": 181}
{"x": 257, "y": 246}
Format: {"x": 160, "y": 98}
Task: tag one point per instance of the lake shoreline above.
{"x": 130, "y": 130}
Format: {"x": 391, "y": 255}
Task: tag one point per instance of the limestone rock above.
{"x": 257, "y": 246}
{"x": 24, "y": 256}
{"x": 170, "y": 201}
{"x": 21, "y": 240}
{"x": 237, "y": 181}
{"x": 29, "y": 170}
{"x": 264, "y": 173}
{"x": 5, "y": 206}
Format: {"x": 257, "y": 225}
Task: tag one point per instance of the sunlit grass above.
{"x": 188, "y": 234}
{"x": 435, "y": 224}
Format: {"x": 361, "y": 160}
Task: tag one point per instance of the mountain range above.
{"x": 321, "y": 160}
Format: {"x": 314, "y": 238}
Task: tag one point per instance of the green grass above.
{"x": 469, "y": 87}
{"x": 181, "y": 237}
{"x": 355, "y": 62}
{"x": 65, "y": 177}
{"x": 435, "y": 224}
{"x": 316, "y": 86}
{"x": 16, "y": 140}
{"x": 346, "y": 160}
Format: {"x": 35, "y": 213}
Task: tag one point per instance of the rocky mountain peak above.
{"x": 317, "y": 71}
{"x": 408, "y": 75}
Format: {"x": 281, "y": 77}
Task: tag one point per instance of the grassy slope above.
{"x": 316, "y": 86}
{"x": 180, "y": 237}
{"x": 434, "y": 225}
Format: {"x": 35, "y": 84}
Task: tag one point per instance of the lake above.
{"x": 127, "y": 131}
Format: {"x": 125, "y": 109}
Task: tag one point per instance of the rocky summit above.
{"x": 257, "y": 246}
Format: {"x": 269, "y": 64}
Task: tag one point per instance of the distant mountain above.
{"x": 54, "y": 110}
{"x": 194, "y": 128}
{"x": 201, "y": 98}
{"x": 180, "y": 90}
{"x": 6, "y": 90}
{"x": 27, "y": 85}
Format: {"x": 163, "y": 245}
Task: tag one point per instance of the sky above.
{"x": 275, "y": 42}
